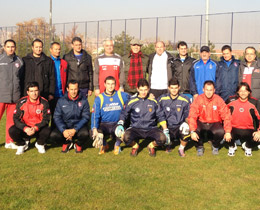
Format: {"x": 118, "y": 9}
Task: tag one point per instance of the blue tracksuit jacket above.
{"x": 201, "y": 72}
{"x": 107, "y": 108}
{"x": 143, "y": 113}
{"x": 70, "y": 114}
{"x": 176, "y": 110}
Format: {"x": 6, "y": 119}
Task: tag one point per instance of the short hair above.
{"x": 244, "y": 84}
{"x": 110, "y": 78}
{"x": 37, "y": 40}
{"x": 32, "y": 84}
{"x": 250, "y": 47}
{"x": 209, "y": 82}
{"x": 72, "y": 81}
{"x": 142, "y": 83}
{"x": 53, "y": 43}
{"x": 108, "y": 39}
{"x": 76, "y": 39}
{"x": 10, "y": 40}
{"x": 226, "y": 47}
{"x": 182, "y": 43}
{"x": 173, "y": 81}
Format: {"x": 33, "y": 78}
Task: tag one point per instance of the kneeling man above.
{"x": 31, "y": 119}
{"x": 71, "y": 117}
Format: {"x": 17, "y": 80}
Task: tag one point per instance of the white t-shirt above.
{"x": 159, "y": 78}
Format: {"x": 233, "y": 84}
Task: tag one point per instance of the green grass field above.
{"x": 89, "y": 181}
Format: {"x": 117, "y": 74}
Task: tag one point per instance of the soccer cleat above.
{"x": 181, "y": 152}
{"x": 134, "y": 151}
{"x": 66, "y": 147}
{"x": 231, "y": 151}
{"x": 40, "y": 148}
{"x": 168, "y": 149}
{"x": 11, "y": 145}
{"x": 200, "y": 151}
{"x": 103, "y": 149}
{"x": 151, "y": 151}
{"x": 20, "y": 150}
{"x": 215, "y": 150}
{"x": 244, "y": 146}
{"x": 77, "y": 148}
{"x": 117, "y": 150}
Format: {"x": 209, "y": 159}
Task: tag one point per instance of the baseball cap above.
{"x": 204, "y": 48}
{"x": 136, "y": 41}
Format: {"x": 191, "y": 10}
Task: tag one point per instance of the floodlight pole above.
{"x": 207, "y": 23}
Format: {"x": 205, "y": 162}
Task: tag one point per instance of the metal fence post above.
{"x": 201, "y": 22}
{"x": 175, "y": 27}
{"x": 86, "y": 32}
{"x": 231, "y": 32}
{"x": 140, "y": 28}
{"x": 111, "y": 25}
{"x": 157, "y": 29}
{"x": 63, "y": 41}
{"x": 97, "y": 35}
{"x": 125, "y": 39}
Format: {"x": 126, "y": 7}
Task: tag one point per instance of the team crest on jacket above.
{"x": 79, "y": 104}
{"x": 111, "y": 99}
{"x": 235, "y": 64}
{"x": 210, "y": 66}
{"x": 178, "y": 109}
{"x": 150, "y": 109}
{"x": 214, "y": 107}
{"x": 15, "y": 111}
{"x": 241, "y": 109}
{"x": 93, "y": 110}
{"x": 38, "y": 111}
{"x": 17, "y": 65}
{"x": 48, "y": 111}
{"x": 168, "y": 109}
{"x": 137, "y": 109}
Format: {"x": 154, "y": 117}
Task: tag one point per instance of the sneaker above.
{"x": 20, "y": 150}
{"x": 66, "y": 147}
{"x": 40, "y": 148}
{"x": 231, "y": 151}
{"x": 151, "y": 151}
{"x": 103, "y": 149}
{"x": 200, "y": 151}
{"x": 181, "y": 152}
{"x": 215, "y": 150}
{"x": 11, "y": 145}
{"x": 248, "y": 152}
{"x": 258, "y": 146}
{"x": 26, "y": 146}
{"x": 134, "y": 151}
{"x": 244, "y": 146}
{"x": 168, "y": 149}
{"x": 117, "y": 150}
{"x": 77, "y": 148}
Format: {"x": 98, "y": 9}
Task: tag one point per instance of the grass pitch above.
{"x": 90, "y": 181}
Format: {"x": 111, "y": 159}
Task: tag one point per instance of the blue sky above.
{"x": 85, "y": 10}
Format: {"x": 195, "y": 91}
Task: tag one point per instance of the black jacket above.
{"x": 41, "y": 71}
{"x": 181, "y": 71}
{"x": 82, "y": 71}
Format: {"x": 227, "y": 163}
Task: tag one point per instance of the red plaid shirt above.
{"x": 136, "y": 69}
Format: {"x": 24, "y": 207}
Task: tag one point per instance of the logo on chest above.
{"x": 241, "y": 110}
{"x": 38, "y": 111}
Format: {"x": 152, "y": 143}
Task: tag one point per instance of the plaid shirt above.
{"x": 136, "y": 69}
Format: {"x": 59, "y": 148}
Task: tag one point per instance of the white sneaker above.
{"x": 11, "y": 145}
{"x": 40, "y": 148}
{"x": 20, "y": 150}
{"x": 248, "y": 152}
{"x": 231, "y": 151}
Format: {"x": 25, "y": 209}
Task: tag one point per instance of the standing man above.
{"x": 80, "y": 67}
{"x": 71, "y": 117}
{"x": 159, "y": 69}
{"x": 108, "y": 64}
{"x": 227, "y": 78}
{"x": 144, "y": 114}
{"x": 31, "y": 119}
{"x": 176, "y": 109}
{"x": 207, "y": 112}
{"x": 60, "y": 67}
{"x": 202, "y": 70}
{"x": 249, "y": 71}
{"x": 245, "y": 120}
{"x": 11, "y": 68}
{"x": 181, "y": 68}
{"x": 135, "y": 66}
{"x": 39, "y": 68}
{"x": 105, "y": 114}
